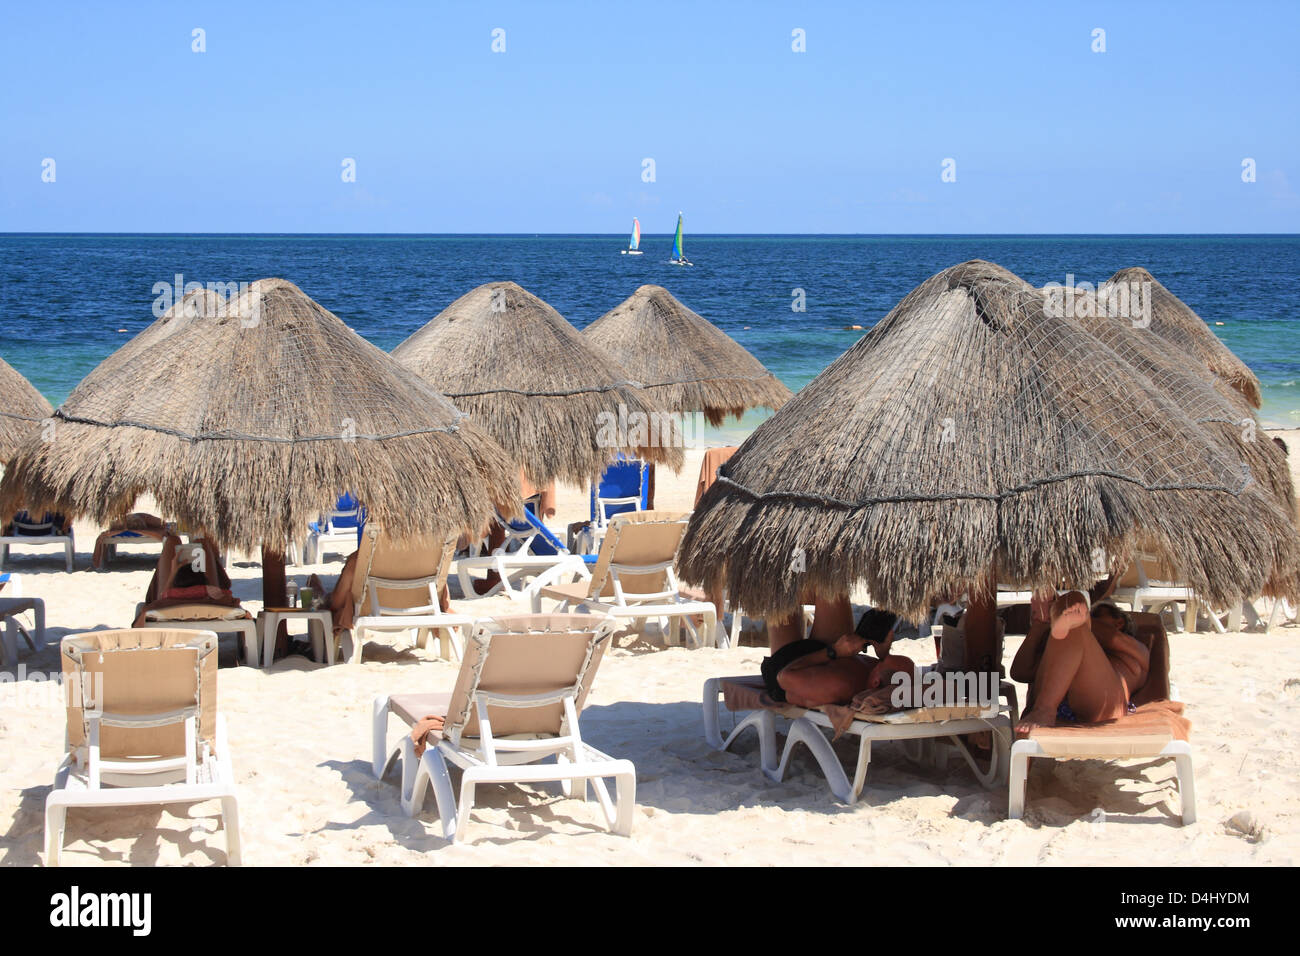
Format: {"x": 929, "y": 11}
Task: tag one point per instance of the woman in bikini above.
{"x": 1080, "y": 666}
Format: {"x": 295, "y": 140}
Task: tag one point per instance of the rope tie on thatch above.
{"x": 561, "y": 393}
{"x": 712, "y": 378}
{"x": 241, "y": 436}
{"x": 1246, "y": 481}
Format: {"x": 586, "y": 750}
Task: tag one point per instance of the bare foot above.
{"x": 1032, "y": 721}
{"x": 1068, "y": 620}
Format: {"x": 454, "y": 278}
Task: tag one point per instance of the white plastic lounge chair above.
{"x": 335, "y": 532}
{"x": 521, "y": 687}
{"x": 1139, "y": 735}
{"x": 12, "y": 603}
{"x": 807, "y": 726}
{"x": 28, "y": 532}
{"x": 143, "y": 728}
{"x": 633, "y": 577}
{"x": 1149, "y": 586}
{"x": 395, "y": 589}
{"x": 530, "y": 558}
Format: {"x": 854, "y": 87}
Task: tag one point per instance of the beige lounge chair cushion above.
{"x": 750, "y": 693}
{"x": 380, "y": 557}
{"x": 526, "y": 654}
{"x": 144, "y": 671}
{"x": 197, "y": 612}
{"x": 1142, "y": 734}
{"x": 412, "y": 708}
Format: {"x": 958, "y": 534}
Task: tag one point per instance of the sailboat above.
{"x": 632, "y": 246}
{"x": 679, "y": 257}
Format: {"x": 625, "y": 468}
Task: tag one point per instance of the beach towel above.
{"x": 713, "y": 458}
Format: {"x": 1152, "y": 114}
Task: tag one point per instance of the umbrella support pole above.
{"x": 275, "y": 593}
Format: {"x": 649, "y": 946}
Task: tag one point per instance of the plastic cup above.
{"x": 305, "y": 597}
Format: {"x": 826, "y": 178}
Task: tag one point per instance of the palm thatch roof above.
{"x": 22, "y": 408}
{"x": 971, "y": 438}
{"x": 1173, "y": 320}
{"x": 1224, "y": 413}
{"x": 248, "y": 420}
{"x": 685, "y": 362}
{"x": 541, "y": 389}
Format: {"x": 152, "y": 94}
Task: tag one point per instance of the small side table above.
{"x": 320, "y": 625}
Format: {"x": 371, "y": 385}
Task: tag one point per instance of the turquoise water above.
{"x": 67, "y": 301}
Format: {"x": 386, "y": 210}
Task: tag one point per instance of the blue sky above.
{"x": 746, "y": 135}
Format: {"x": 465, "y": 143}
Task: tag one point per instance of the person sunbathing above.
{"x": 196, "y": 577}
{"x": 146, "y": 525}
{"x": 839, "y": 673}
{"x": 1081, "y": 667}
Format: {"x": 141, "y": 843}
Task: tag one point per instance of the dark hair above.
{"x": 875, "y": 624}
{"x": 1126, "y": 623}
{"x": 1281, "y": 444}
{"x": 187, "y": 577}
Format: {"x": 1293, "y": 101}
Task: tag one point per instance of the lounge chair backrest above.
{"x": 138, "y": 672}
{"x": 624, "y": 487}
{"x": 346, "y": 514}
{"x": 540, "y": 540}
{"x": 1150, "y": 630}
{"x": 637, "y": 539}
{"x": 379, "y": 557}
{"x": 1146, "y": 569}
{"x": 525, "y": 655}
{"x": 26, "y": 525}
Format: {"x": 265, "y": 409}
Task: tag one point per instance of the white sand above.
{"x": 300, "y": 734}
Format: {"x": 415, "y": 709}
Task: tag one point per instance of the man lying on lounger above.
{"x": 815, "y": 671}
{"x": 1081, "y": 667}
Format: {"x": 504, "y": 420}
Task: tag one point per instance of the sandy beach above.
{"x": 300, "y": 739}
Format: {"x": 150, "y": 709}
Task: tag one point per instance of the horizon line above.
{"x": 697, "y": 235}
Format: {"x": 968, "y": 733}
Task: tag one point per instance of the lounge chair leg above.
{"x": 414, "y": 778}
{"x": 56, "y": 818}
{"x": 626, "y": 784}
{"x": 230, "y": 820}
{"x": 1016, "y": 778}
{"x": 1186, "y": 782}
{"x": 805, "y": 731}
{"x": 380, "y": 759}
{"x": 467, "y": 782}
{"x": 860, "y": 773}
{"x": 442, "y": 793}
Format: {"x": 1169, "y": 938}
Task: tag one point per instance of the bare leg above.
{"x": 783, "y": 631}
{"x": 496, "y": 537}
{"x": 833, "y": 617}
{"x": 1075, "y": 669}
{"x": 167, "y": 563}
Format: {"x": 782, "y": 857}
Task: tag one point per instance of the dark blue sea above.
{"x": 67, "y": 301}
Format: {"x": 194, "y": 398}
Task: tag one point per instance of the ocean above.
{"x": 67, "y": 301}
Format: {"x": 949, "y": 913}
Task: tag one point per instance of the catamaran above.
{"x": 679, "y": 257}
{"x": 632, "y": 246}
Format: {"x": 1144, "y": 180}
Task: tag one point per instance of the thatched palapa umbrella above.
{"x": 685, "y": 362}
{"x": 22, "y": 409}
{"x": 249, "y": 422}
{"x": 971, "y": 438}
{"x": 1225, "y": 414}
{"x": 560, "y": 406}
{"x": 1174, "y": 321}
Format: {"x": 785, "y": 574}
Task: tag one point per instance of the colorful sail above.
{"x": 636, "y": 234}
{"x": 677, "y": 241}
